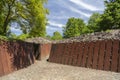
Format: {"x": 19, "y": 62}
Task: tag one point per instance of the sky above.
{"x": 62, "y": 10}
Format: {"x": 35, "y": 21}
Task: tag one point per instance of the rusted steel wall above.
{"x": 102, "y": 55}
{"x": 45, "y": 50}
{"x": 15, "y": 55}
{"x": 42, "y": 51}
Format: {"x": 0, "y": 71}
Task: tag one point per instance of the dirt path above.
{"x": 43, "y": 70}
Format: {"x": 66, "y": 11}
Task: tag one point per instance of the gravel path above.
{"x": 43, "y": 70}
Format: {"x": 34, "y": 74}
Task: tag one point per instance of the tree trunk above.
{"x": 6, "y": 20}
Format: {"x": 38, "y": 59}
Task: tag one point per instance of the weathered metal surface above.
{"x": 101, "y": 55}
{"x": 115, "y": 55}
{"x": 85, "y": 54}
{"x": 107, "y": 55}
{"x": 90, "y": 55}
{"x": 15, "y": 55}
{"x": 95, "y": 55}
{"x": 80, "y": 53}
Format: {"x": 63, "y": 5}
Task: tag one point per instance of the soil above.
{"x": 43, "y": 70}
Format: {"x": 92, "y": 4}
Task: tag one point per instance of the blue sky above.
{"x": 61, "y": 10}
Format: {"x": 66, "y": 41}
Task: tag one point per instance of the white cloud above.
{"x": 79, "y": 12}
{"x": 50, "y": 28}
{"x": 67, "y": 6}
{"x": 84, "y": 5}
{"x": 59, "y": 17}
{"x": 55, "y": 24}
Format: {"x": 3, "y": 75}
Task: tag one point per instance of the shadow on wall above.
{"x": 22, "y": 54}
{"x": 15, "y": 55}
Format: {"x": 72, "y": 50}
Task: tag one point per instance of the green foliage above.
{"x": 12, "y": 36}
{"x": 30, "y": 15}
{"x": 93, "y": 22}
{"x": 111, "y": 17}
{"x": 3, "y": 37}
{"x": 56, "y": 36}
{"x": 86, "y": 30}
{"x": 39, "y": 21}
{"x": 23, "y": 36}
{"x": 73, "y": 27}
{"x": 48, "y": 37}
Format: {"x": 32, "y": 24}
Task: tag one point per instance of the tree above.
{"x": 39, "y": 21}
{"x": 93, "y": 22}
{"x": 111, "y": 17}
{"x": 56, "y": 36}
{"x": 30, "y": 15}
{"x": 48, "y": 37}
{"x": 5, "y": 14}
{"x": 73, "y": 27}
{"x": 23, "y": 36}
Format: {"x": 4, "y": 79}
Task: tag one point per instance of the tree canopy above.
{"x": 110, "y": 19}
{"x": 73, "y": 27}
{"x": 30, "y": 16}
{"x": 56, "y": 36}
{"x": 93, "y": 22}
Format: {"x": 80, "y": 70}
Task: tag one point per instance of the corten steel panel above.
{"x": 115, "y": 55}
{"x": 75, "y": 54}
{"x": 119, "y": 61}
{"x": 85, "y": 54}
{"x": 14, "y": 56}
{"x": 49, "y": 48}
{"x": 45, "y": 50}
{"x": 90, "y": 55}
{"x": 107, "y": 55}
{"x": 51, "y": 58}
{"x": 62, "y": 51}
{"x": 42, "y": 51}
{"x": 66, "y": 53}
{"x": 101, "y": 55}
{"x": 96, "y": 52}
{"x": 69, "y": 50}
{"x": 55, "y": 52}
{"x": 11, "y": 56}
{"x": 1, "y": 65}
{"x": 51, "y": 53}
{"x": 63, "y": 54}
{"x": 8, "y": 61}
{"x": 71, "y": 54}
{"x": 80, "y": 53}
{"x": 58, "y": 53}
{"x": 4, "y": 60}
